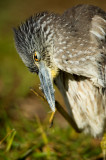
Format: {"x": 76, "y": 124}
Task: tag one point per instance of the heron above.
{"x": 70, "y": 50}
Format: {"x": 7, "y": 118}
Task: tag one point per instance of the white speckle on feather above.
{"x": 64, "y": 42}
{"x": 63, "y": 56}
{"x": 64, "y": 47}
{"x": 48, "y": 30}
{"x": 70, "y": 56}
{"x": 97, "y": 34}
{"x": 71, "y": 62}
{"x": 64, "y": 61}
{"x": 81, "y": 44}
{"x": 60, "y": 50}
{"x": 83, "y": 59}
{"x": 92, "y": 58}
{"x": 76, "y": 62}
{"x": 67, "y": 52}
{"x": 73, "y": 50}
{"x": 57, "y": 60}
{"x": 61, "y": 67}
{"x": 101, "y": 19}
{"x": 87, "y": 57}
{"x": 102, "y": 30}
{"x": 68, "y": 69}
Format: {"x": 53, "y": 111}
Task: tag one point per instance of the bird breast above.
{"x": 85, "y": 103}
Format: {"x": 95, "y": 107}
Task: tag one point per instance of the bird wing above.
{"x": 84, "y": 102}
{"x": 85, "y": 55}
{"x": 98, "y": 35}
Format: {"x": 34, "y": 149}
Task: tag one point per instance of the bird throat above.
{"x": 54, "y": 72}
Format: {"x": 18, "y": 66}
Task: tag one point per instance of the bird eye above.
{"x": 37, "y": 57}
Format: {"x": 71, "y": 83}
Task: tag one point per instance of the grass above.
{"x": 34, "y": 140}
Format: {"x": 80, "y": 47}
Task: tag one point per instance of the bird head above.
{"x": 34, "y": 43}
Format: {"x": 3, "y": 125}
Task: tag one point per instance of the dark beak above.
{"x": 47, "y": 84}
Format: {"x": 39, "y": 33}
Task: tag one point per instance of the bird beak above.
{"x": 47, "y": 84}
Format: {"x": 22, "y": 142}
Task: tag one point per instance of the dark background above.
{"x": 24, "y": 117}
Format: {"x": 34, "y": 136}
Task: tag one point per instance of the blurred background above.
{"x": 24, "y": 117}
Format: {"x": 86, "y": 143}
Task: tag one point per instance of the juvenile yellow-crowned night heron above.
{"x": 70, "y": 49}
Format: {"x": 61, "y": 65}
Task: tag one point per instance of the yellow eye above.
{"x": 35, "y": 57}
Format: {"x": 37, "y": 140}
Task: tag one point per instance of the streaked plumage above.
{"x": 73, "y": 48}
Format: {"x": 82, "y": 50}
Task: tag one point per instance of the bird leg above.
{"x": 51, "y": 119}
{"x": 44, "y": 99}
{"x": 61, "y": 111}
{"x": 67, "y": 117}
